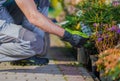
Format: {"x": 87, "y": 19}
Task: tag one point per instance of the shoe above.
{"x": 32, "y": 61}
{"x": 46, "y": 45}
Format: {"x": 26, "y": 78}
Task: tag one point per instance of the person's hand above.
{"x": 75, "y": 38}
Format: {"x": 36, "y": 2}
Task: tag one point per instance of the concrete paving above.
{"x": 62, "y": 67}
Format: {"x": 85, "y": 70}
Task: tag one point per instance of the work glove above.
{"x": 75, "y": 38}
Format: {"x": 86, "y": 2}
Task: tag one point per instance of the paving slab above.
{"x": 30, "y": 73}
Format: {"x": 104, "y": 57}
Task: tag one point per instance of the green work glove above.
{"x": 75, "y": 38}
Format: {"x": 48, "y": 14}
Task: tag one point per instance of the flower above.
{"x": 100, "y": 39}
{"x": 118, "y": 31}
{"x": 95, "y": 24}
{"x": 113, "y": 28}
{"x": 115, "y": 3}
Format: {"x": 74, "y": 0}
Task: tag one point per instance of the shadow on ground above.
{"x": 63, "y": 53}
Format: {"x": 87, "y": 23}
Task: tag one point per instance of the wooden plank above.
{"x": 81, "y": 56}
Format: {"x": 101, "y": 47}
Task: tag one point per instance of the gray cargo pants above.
{"x": 16, "y": 42}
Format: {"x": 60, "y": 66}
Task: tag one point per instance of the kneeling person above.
{"x": 18, "y": 43}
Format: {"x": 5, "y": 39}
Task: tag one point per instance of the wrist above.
{"x": 66, "y": 36}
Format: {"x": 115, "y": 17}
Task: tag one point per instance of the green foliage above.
{"x": 115, "y": 74}
{"x": 55, "y": 8}
{"x": 72, "y": 22}
{"x": 116, "y": 13}
{"x": 96, "y": 13}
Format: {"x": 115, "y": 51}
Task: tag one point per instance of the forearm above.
{"x": 47, "y": 25}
